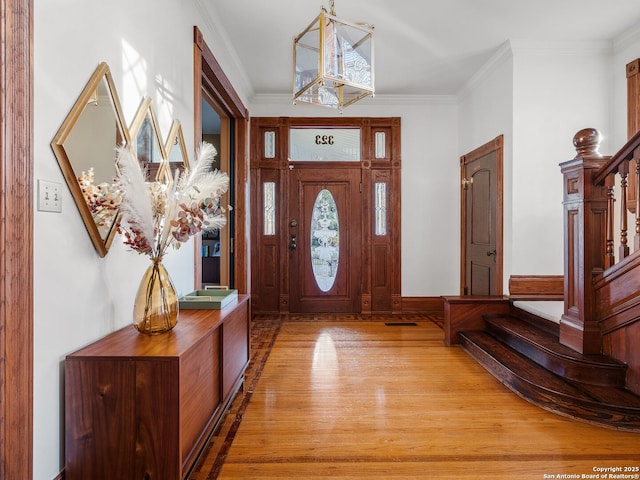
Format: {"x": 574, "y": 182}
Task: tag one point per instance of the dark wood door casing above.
{"x": 209, "y": 77}
{"x": 481, "y": 249}
{"x": 379, "y": 289}
{"x": 16, "y": 240}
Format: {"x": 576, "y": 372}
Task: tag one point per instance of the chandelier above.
{"x": 333, "y": 62}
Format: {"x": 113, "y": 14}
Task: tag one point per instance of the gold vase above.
{"x": 156, "y": 306}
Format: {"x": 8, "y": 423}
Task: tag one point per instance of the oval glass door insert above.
{"x": 325, "y": 240}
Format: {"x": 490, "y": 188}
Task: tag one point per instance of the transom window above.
{"x": 324, "y": 145}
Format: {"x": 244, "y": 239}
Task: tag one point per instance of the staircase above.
{"x": 569, "y": 368}
{"x": 524, "y": 353}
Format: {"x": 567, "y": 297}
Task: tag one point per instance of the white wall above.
{"x": 486, "y": 111}
{"x": 627, "y": 49}
{"x": 79, "y": 296}
{"x": 430, "y": 170}
{"x": 558, "y": 90}
{"x": 538, "y": 96}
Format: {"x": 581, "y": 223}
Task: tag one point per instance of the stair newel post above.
{"x": 585, "y": 231}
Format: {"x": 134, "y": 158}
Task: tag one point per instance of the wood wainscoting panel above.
{"x": 380, "y": 278}
{"x": 466, "y": 312}
{"x": 618, "y": 313}
{"x": 621, "y": 345}
{"x": 547, "y": 287}
{"x": 431, "y": 305}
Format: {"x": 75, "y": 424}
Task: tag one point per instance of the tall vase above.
{"x": 156, "y": 305}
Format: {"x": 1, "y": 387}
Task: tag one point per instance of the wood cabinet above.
{"x": 141, "y": 407}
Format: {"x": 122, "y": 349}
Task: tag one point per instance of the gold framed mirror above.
{"x": 146, "y": 139}
{"x": 85, "y": 149}
{"x": 175, "y": 149}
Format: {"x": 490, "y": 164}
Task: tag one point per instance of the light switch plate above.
{"x": 49, "y": 196}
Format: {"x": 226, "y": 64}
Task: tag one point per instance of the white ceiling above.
{"x": 422, "y": 47}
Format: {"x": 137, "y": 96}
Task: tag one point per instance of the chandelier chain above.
{"x": 332, "y": 11}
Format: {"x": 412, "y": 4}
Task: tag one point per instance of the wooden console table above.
{"x": 142, "y": 407}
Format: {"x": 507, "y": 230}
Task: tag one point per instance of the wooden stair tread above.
{"x": 545, "y": 349}
{"x": 520, "y": 365}
{"x": 612, "y": 396}
{"x": 607, "y": 406}
{"x": 541, "y": 323}
{"x": 546, "y": 340}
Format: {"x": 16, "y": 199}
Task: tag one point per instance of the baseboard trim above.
{"x": 429, "y": 305}
{"x": 432, "y": 305}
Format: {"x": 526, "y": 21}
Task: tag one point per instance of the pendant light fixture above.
{"x": 333, "y": 62}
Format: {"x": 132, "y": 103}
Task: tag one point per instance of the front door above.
{"x": 325, "y": 215}
{"x": 482, "y": 220}
{"x": 325, "y": 239}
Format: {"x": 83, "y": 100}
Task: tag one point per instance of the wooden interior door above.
{"x": 325, "y": 239}
{"x": 482, "y": 220}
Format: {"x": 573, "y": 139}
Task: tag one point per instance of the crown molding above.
{"x": 627, "y": 38}
{"x": 222, "y": 40}
{"x": 503, "y": 53}
{"x": 561, "y": 48}
{"x": 514, "y": 47}
{"x": 379, "y": 99}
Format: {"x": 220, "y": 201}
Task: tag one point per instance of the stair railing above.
{"x": 592, "y": 185}
{"x": 623, "y": 164}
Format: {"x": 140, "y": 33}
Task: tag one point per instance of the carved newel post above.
{"x": 585, "y": 211}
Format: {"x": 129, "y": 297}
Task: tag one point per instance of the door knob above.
{"x": 491, "y": 253}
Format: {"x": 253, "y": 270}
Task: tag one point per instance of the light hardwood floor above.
{"x": 342, "y": 397}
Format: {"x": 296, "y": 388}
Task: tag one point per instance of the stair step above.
{"x": 613, "y": 407}
{"x": 544, "y": 348}
{"x": 542, "y": 323}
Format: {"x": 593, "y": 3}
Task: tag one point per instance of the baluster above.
{"x": 623, "y": 170}
{"x": 636, "y": 157}
{"x": 610, "y": 259}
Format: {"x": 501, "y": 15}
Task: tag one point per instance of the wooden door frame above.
{"x": 496, "y": 145}
{"x": 224, "y": 164}
{"x": 209, "y": 74}
{"x": 16, "y": 240}
{"x": 381, "y": 257}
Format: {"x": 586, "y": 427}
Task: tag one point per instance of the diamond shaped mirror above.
{"x": 145, "y": 137}
{"x": 85, "y": 149}
{"x": 177, "y": 157}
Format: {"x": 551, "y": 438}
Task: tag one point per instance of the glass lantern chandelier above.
{"x": 333, "y": 62}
